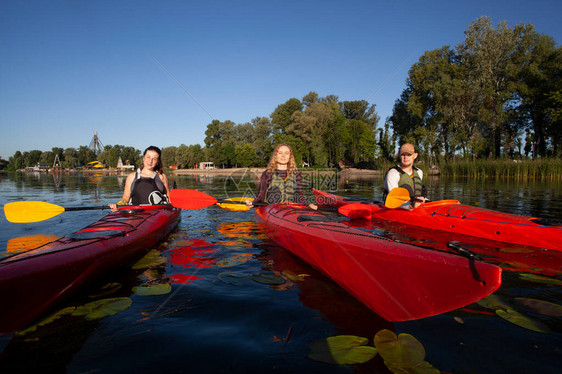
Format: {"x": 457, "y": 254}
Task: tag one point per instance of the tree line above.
{"x": 498, "y": 94}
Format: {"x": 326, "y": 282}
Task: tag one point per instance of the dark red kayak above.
{"x": 451, "y": 216}
{"x": 397, "y": 281}
{"x": 33, "y": 282}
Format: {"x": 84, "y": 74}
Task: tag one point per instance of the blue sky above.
{"x": 158, "y": 72}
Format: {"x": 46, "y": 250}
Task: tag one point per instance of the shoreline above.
{"x": 350, "y": 172}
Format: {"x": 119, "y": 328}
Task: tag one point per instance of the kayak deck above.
{"x": 397, "y": 281}
{"x": 33, "y": 282}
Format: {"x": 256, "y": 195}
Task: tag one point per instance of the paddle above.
{"x": 193, "y": 199}
{"x": 396, "y": 197}
{"x": 35, "y": 211}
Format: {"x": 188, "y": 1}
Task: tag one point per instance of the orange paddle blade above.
{"x": 397, "y": 197}
{"x": 31, "y": 211}
{"x": 190, "y": 199}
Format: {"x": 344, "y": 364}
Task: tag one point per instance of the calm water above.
{"x": 221, "y": 316}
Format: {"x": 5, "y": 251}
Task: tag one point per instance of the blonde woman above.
{"x": 281, "y": 182}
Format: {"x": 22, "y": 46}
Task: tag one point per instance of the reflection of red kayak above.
{"x": 33, "y": 282}
{"x": 451, "y": 216}
{"x": 397, "y": 281}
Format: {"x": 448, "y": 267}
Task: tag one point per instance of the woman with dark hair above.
{"x": 148, "y": 185}
{"x": 281, "y": 182}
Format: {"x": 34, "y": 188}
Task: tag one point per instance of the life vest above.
{"x": 147, "y": 190}
{"x": 281, "y": 190}
{"x": 412, "y": 183}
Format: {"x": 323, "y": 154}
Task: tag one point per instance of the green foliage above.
{"x": 477, "y": 98}
{"x": 547, "y": 168}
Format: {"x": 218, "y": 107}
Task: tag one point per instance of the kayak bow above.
{"x": 33, "y": 282}
{"x": 397, "y": 281}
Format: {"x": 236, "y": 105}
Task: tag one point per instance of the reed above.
{"x": 546, "y": 168}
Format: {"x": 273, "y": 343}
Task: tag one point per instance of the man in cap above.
{"x": 407, "y": 176}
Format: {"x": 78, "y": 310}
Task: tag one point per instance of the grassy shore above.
{"x": 548, "y": 168}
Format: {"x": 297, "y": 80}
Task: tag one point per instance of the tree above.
{"x": 169, "y": 156}
{"x": 281, "y": 116}
{"x": 245, "y": 155}
{"x": 487, "y": 53}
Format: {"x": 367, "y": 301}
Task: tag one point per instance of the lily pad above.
{"x": 103, "y": 308}
{"x": 232, "y": 278}
{"x": 540, "y": 279}
{"x": 540, "y": 306}
{"x": 158, "y": 289}
{"x": 151, "y": 259}
{"x": 239, "y": 259}
{"x": 494, "y": 302}
{"x": 295, "y": 277}
{"x": 402, "y": 353}
{"x": 106, "y": 289}
{"x": 521, "y": 320}
{"x": 268, "y": 278}
{"x": 53, "y": 317}
{"x": 342, "y": 350}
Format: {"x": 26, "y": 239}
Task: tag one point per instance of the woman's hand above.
{"x": 313, "y": 206}
{"x": 113, "y": 207}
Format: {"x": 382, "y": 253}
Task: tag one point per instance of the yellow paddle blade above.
{"x": 240, "y": 206}
{"x": 397, "y": 197}
{"x": 31, "y": 211}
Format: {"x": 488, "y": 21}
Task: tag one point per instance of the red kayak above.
{"x": 33, "y": 282}
{"x": 397, "y": 281}
{"x": 451, "y": 216}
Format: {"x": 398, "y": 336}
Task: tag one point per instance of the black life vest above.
{"x": 148, "y": 190}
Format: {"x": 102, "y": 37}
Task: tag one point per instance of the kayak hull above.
{"x": 33, "y": 282}
{"x": 397, "y": 281}
{"x": 451, "y": 216}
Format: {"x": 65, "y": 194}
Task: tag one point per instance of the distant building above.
{"x": 206, "y": 165}
{"x": 120, "y": 165}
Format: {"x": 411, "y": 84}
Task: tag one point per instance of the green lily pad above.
{"x": 232, "y": 278}
{"x": 151, "y": 259}
{"x": 540, "y": 306}
{"x": 53, "y": 317}
{"x": 521, "y": 320}
{"x": 268, "y": 278}
{"x": 540, "y": 279}
{"x": 342, "y": 350}
{"x": 158, "y": 289}
{"x": 106, "y": 289}
{"x": 494, "y": 302}
{"x": 233, "y": 261}
{"x": 400, "y": 351}
{"x": 103, "y": 308}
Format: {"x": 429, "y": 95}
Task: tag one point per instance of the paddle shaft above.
{"x": 74, "y": 208}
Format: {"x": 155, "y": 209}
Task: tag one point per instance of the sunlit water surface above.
{"x": 223, "y": 315}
